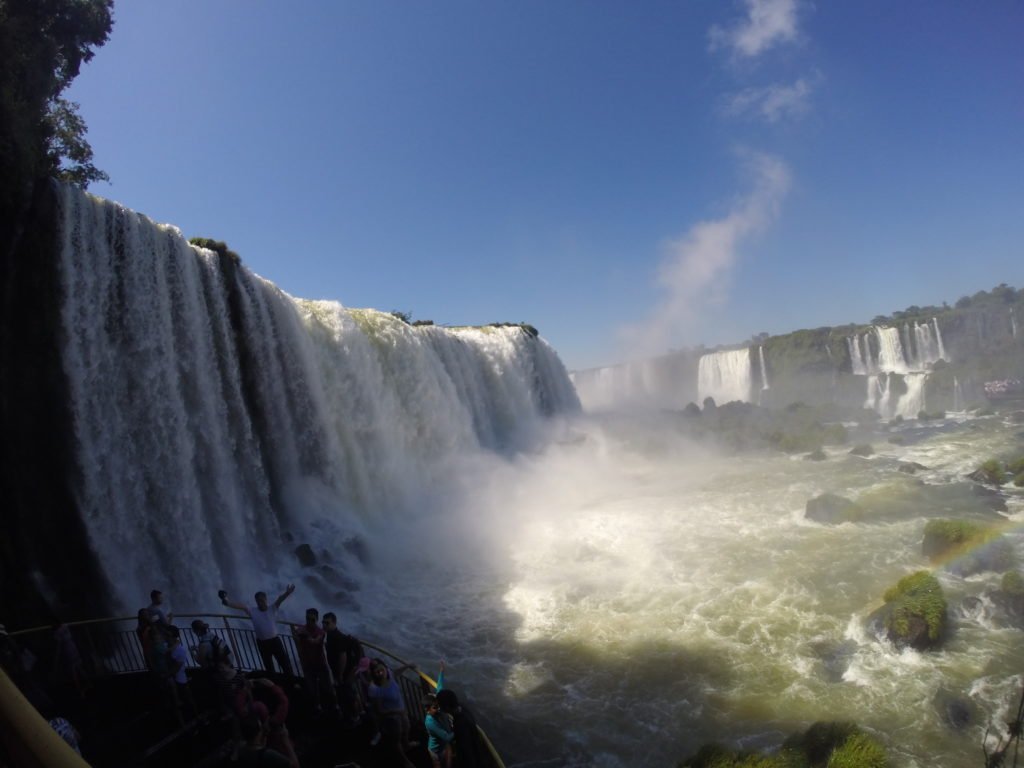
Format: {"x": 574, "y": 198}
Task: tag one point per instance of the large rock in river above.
{"x": 914, "y": 614}
{"x": 831, "y": 509}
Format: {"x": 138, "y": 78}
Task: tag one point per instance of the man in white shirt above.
{"x": 264, "y": 624}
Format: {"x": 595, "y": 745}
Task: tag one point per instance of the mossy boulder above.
{"x": 969, "y": 547}
{"x": 1009, "y": 598}
{"x": 914, "y": 614}
{"x": 906, "y": 497}
{"x": 862, "y": 449}
{"x": 990, "y": 472}
{"x": 823, "y": 745}
{"x": 831, "y": 509}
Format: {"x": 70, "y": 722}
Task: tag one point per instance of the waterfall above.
{"x": 878, "y": 394}
{"x": 724, "y": 376}
{"x": 856, "y": 359}
{"x": 764, "y": 370}
{"x": 912, "y": 401}
{"x": 1013, "y": 323}
{"x": 216, "y": 417}
{"x": 910, "y": 350}
{"x": 938, "y": 339}
{"x": 890, "y": 351}
{"x": 958, "y": 395}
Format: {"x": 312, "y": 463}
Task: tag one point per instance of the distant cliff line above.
{"x": 981, "y": 335}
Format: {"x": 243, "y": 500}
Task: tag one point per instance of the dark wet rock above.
{"x": 970, "y": 547}
{"x": 911, "y": 467}
{"x": 816, "y": 455}
{"x": 863, "y": 449}
{"x": 909, "y": 497}
{"x": 1009, "y": 600}
{"x": 288, "y": 538}
{"x": 957, "y": 711}
{"x": 898, "y": 440}
{"x": 335, "y": 577}
{"x": 356, "y": 546}
{"x": 989, "y": 497}
{"x": 832, "y": 509}
{"x": 1017, "y": 417}
{"x": 835, "y": 658}
{"x": 305, "y": 554}
{"x": 914, "y": 614}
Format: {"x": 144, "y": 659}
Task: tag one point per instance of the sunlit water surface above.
{"x": 625, "y": 596}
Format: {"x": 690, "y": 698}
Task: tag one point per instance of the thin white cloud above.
{"x": 773, "y": 103}
{"x": 696, "y": 266}
{"x": 768, "y": 23}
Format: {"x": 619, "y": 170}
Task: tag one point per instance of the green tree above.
{"x": 43, "y": 44}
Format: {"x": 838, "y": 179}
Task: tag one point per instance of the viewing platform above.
{"x": 126, "y": 716}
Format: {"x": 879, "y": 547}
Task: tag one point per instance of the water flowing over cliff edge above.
{"x": 217, "y": 424}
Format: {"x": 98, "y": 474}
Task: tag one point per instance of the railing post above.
{"x": 231, "y": 640}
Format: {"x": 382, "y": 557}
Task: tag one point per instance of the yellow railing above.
{"x": 117, "y": 650}
{"x": 29, "y": 740}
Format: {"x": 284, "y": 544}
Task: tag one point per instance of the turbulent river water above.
{"x": 624, "y": 596}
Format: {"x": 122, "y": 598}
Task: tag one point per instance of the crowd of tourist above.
{"x": 341, "y": 687}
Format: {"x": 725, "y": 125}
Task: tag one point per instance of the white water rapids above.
{"x": 606, "y": 593}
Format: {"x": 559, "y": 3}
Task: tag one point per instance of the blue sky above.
{"x": 628, "y": 177}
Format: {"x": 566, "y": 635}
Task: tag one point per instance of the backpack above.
{"x": 219, "y": 653}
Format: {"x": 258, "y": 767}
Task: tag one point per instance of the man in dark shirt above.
{"x": 470, "y": 751}
{"x": 343, "y": 655}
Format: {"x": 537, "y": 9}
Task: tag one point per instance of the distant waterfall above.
{"x": 1013, "y": 323}
{"x": 215, "y": 416}
{"x": 910, "y": 351}
{"x": 958, "y": 395}
{"x": 856, "y": 358}
{"x": 724, "y": 376}
{"x": 912, "y": 401}
{"x": 764, "y": 370}
{"x": 888, "y": 350}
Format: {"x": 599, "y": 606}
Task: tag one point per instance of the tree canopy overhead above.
{"x": 43, "y": 44}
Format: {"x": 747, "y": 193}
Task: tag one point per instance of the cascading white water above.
{"x": 938, "y": 341}
{"x": 215, "y": 416}
{"x": 764, "y": 370}
{"x": 724, "y": 376}
{"x": 910, "y": 353}
{"x": 890, "y": 351}
{"x": 1013, "y": 323}
{"x": 856, "y": 358}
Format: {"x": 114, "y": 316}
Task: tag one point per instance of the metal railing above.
{"x": 112, "y": 646}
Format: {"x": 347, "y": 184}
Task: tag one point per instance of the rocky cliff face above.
{"x": 932, "y": 358}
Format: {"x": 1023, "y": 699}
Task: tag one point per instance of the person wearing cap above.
{"x": 264, "y": 624}
{"x": 213, "y": 656}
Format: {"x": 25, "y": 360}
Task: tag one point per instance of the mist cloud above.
{"x": 768, "y": 23}
{"x": 773, "y": 103}
{"x": 695, "y": 269}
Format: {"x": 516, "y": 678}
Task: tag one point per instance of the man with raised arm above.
{"x": 264, "y": 623}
